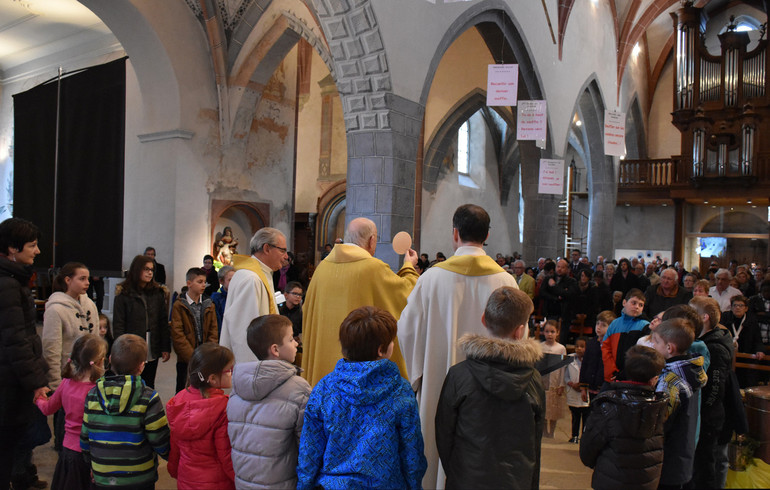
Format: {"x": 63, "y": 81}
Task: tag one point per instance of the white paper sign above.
{"x": 551, "y": 180}
{"x": 614, "y": 133}
{"x": 502, "y": 85}
{"x": 531, "y": 120}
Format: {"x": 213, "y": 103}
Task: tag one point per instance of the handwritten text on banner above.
{"x": 502, "y": 85}
{"x": 531, "y": 121}
{"x": 614, "y": 133}
{"x": 551, "y": 180}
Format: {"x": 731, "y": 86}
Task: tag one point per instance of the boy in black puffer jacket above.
{"x": 489, "y": 421}
{"x": 623, "y": 438}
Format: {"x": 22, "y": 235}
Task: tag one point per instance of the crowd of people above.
{"x": 364, "y": 377}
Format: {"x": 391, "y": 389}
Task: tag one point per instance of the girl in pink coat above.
{"x": 197, "y": 416}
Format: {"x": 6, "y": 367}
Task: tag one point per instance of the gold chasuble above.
{"x": 251, "y": 264}
{"x": 470, "y": 265}
{"x": 346, "y": 279}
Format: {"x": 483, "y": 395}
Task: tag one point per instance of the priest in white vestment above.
{"x": 446, "y": 303}
{"x": 251, "y": 292}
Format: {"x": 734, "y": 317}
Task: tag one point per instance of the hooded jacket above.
{"x": 65, "y": 319}
{"x": 266, "y": 411}
{"x": 183, "y": 333}
{"x": 682, "y": 378}
{"x": 623, "y": 437}
{"x": 720, "y": 347}
{"x": 362, "y": 430}
{"x": 200, "y": 447}
{"x": 124, "y": 430}
{"x": 489, "y": 421}
{"x": 22, "y": 367}
{"x": 139, "y": 313}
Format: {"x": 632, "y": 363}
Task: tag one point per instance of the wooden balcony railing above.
{"x": 647, "y": 173}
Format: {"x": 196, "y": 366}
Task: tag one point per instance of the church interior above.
{"x": 302, "y": 114}
{"x": 177, "y": 123}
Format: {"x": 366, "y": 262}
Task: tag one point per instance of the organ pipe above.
{"x": 698, "y": 152}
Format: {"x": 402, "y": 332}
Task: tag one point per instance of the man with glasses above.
{"x": 251, "y": 293}
{"x": 348, "y": 278}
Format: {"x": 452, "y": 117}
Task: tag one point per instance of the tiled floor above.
{"x": 560, "y": 467}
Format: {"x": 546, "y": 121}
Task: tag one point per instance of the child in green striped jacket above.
{"x": 124, "y": 425}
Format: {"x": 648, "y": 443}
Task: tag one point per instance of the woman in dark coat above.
{"x": 140, "y": 309}
{"x": 23, "y": 371}
{"x": 624, "y": 279}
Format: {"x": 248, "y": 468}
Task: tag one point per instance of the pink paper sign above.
{"x": 551, "y": 180}
{"x": 502, "y": 85}
{"x": 531, "y": 121}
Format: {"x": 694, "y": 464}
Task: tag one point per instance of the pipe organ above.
{"x": 720, "y": 102}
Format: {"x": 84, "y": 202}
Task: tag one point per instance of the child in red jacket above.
{"x": 197, "y": 417}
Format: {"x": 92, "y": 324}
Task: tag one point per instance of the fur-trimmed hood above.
{"x": 524, "y": 352}
{"x": 502, "y": 368}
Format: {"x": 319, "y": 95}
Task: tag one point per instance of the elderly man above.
{"x": 348, "y": 278}
{"x": 723, "y": 292}
{"x": 251, "y": 291}
{"x": 446, "y": 303}
{"x": 651, "y": 275}
{"x": 525, "y": 281}
{"x": 666, "y": 294}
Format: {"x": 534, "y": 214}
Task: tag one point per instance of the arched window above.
{"x": 463, "y": 144}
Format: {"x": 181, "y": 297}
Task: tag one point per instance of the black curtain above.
{"x": 89, "y": 183}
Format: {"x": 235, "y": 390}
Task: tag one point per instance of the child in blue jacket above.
{"x": 362, "y": 425}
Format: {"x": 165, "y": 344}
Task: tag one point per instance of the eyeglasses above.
{"x": 738, "y": 305}
{"x": 299, "y": 295}
{"x": 148, "y": 269}
{"x": 283, "y": 250}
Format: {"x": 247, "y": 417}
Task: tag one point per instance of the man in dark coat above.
{"x": 665, "y": 295}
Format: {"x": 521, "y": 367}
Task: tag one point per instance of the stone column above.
{"x": 383, "y": 129}
{"x": 541, "y": 233}
{"x": 381, "y": 173}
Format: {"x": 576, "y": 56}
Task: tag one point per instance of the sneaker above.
{"x": 574, "y": 440}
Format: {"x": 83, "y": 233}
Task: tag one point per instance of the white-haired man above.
{"x": 251, "y": 292}
{"x": 723, "y": 292}
{"x": 350, "y": 277}
{"x": 525, "y": 281}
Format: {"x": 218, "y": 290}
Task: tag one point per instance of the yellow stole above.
{"x": 471, "y": 265}
{"x": 252, "y": 264}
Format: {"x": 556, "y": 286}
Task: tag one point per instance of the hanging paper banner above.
{"x": 531, "y": 120}
{"x": 614, "y": 133}
{"x": 551, "y": 180}
{"x": 502, "y": 85}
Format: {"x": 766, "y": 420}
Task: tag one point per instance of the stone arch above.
{"x": 331, "y": 205}
{"x": 495, "y": 12}
{"x": 255, "y": 68}
{"x": 601, "y": 180}
{"x": 498, "y": 27}
{"x": 440, "y": 141}
{"x": 154, "y": 66}
{"x": 359, "y": 60}
{"x": 636, "y": 142}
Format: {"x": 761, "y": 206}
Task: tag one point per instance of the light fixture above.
{"x": 748, "y": 202}
{"x": 706, "y": 201}
{"x": 637, "y": 49}
{"x": 664, "y": 205}
{"x": 628, "y": 205}
{"x": 578, "y": 123}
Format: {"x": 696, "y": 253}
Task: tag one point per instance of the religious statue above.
{"x": 225, "y": 246}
